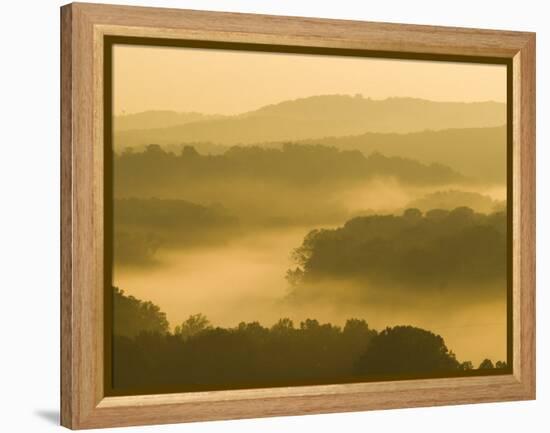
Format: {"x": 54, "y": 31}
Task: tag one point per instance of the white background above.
{"x": 29, "y": 242}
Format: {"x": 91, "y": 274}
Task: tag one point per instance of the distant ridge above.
{"x": 452, "y": 147}
{"x": 158, "y": 119}
{"x": 309, "y": 118}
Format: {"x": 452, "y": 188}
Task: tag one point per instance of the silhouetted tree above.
{"x": 466, "y": 366}
{"x": 412, "y": 215}
{"x": 283, "y": 326}
{"x": 132, "y": 316}
{"x": 486, "y": 364}
{"x": 406, "y": 350}
{"x": 195, "y": 324}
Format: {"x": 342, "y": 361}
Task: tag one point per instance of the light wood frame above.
{"x": 83, "y": 26}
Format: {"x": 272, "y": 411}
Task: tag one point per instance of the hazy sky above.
{"x": 231, "y": 82}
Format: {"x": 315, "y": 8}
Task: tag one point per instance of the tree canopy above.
{"x": 405, "y": 350}
{"x": 292, "y": 164}
{"x": 199, "y": 356}
{"x": 437, "y": 250}
{"x": 133, "y": 316}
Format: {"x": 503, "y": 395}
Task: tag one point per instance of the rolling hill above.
{"x": 452, "y": 147}
{"x": 158, "y": 119}
{"x": 311, "y": 118}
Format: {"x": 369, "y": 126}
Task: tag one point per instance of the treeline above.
{"x": 417, "y": 252}
{"x": 155, "y": 171}
{"x": 478, "y": 153}
{"x": 198, "y": 356}
{"x": 268, "y": 188}
{"x": 142, "y": 226}
{"x": 451, "y": 199}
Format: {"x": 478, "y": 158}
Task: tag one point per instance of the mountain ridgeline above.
{"x": 158, "y": 119}
{"x": 479, "y": 153}
{"x": 310, "y": 118}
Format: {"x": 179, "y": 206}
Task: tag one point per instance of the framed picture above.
{"x": 266, "y": 216}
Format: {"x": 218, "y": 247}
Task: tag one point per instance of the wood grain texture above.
{"x": 83, "y": 404}
{"x": 307, "y": 31}
{"x": 525, "y": 216}
{"x": 67, "y": 385}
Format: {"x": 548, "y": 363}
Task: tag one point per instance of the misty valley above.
{"x": 328, "y": 239}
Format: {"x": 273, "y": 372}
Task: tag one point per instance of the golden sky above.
{"x": 232, "y": 82}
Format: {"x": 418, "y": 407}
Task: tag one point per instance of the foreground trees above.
{"x": 133, "y": 316}
{"x": 406, "y": 350}
{"x": 198, "y": 356}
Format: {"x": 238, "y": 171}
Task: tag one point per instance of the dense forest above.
{"x": 313, "y": 184}
{"x": 199, "y": 356}
{"x": 453, "y": 253}
{"x": 157, "y": 171}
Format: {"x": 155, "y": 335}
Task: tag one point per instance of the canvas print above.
{"x": 289, "y": 219}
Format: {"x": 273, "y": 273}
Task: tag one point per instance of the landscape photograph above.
{"x": 285, "y": 219}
